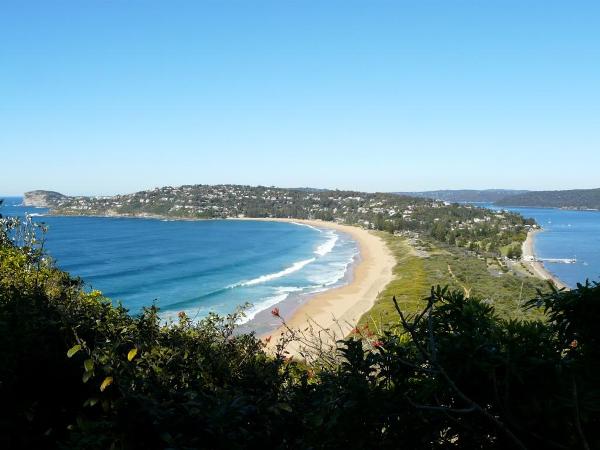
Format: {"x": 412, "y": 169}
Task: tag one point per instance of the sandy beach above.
{"x": 340, "y": 308}
{"x": 536, "y": 266}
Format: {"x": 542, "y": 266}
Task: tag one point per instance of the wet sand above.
{"x": 340, "y": 308}
{"x": 537, "y": 267}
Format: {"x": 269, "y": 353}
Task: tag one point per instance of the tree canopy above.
{"x": 79, "y": 372}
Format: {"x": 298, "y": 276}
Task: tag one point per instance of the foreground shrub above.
{"x": 78, "y": 372}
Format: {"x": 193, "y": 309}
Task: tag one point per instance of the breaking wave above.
{"x": 272, "y": 276}
{"x": 327, "y": 246}
{"x": 307, "y": 225}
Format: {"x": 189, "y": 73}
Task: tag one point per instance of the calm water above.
{"x": 567, "y": 234}
{"x": 196, "y": 266}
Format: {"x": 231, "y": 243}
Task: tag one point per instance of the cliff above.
{"x": 43, "y": 199}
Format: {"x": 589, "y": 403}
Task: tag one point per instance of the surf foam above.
{"x": 307, "y": 225}
{"x": 272, "y": 276}
{"x": 327, "y": 246}
{"x": 251, "y": 312}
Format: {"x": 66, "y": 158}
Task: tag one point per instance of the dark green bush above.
{"x": 79, "y": 372}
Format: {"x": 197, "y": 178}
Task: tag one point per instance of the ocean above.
{"x": 217, "y": 265}
{"x": 198, "y": 266}
{"x": 567, "y": 235}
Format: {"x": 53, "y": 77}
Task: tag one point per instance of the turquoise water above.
{"x": 197, "y": 266}
{"x": 567, "y": 235}
{"x": 205, "y": 266}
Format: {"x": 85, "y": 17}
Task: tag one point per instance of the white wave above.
{"x": 328, "y": 277}
{"x": 307, "y": 225}
{"x": 332, "y": 277}
{"x": 251, "y": 312}
{"x": 272, "y": 276}
{"x": 327, "y": 247}
{"x": 322, "y": 284}
{"x": 289, "y": 289}
{"x": 319, "y": 289}
{"x": 282, "y": 293}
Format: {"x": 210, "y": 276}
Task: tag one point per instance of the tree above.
{"x": 78, "y": 372}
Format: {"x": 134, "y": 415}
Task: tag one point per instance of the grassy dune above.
{"x": 423, "y": 264}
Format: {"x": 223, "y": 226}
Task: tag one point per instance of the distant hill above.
{"x": 571, "y": 199}
{"x": 44, "y": 199}
{"x": 221, "y": 201}
{"x": 465, "y": 195}
{"x": 466, "y": 226}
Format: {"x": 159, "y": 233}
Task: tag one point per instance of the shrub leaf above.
{"x": 131, "y": 354}
{"x": 107, "y": 382}
{"x": 73, "y": 350}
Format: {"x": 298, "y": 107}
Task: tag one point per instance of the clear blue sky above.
{"x": 102, "y": 97}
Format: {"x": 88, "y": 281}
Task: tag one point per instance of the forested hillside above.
{"x": 466, "y": 195}
{"x": 477, "y": 229}
{"x": 571, "y": 199}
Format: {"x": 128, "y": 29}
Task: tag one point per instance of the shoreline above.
{"x": 339, "y": 309}
{"x": 529, "y": 258}
{"x": 338, "y": 305}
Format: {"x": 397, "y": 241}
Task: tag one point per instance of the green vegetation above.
{"x": 513, "y": 251}
{"x": 480, "y": 230}
{"x": 575, "y": 198}
{"x": 466, "y": 195}
{"x": 80, "y": 373}
{"x": 571, "y": 199}
{"x": 425, "y": 263}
